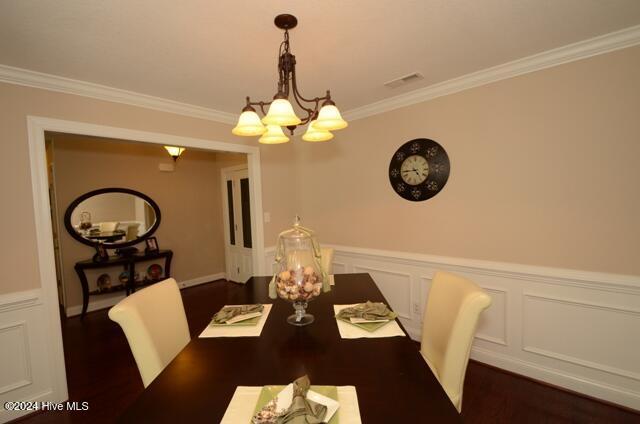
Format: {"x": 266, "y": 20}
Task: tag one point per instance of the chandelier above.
{"x": 321, "y": 113}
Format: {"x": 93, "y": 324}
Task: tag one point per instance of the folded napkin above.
{"x": 301, "y": 410}
{"x": 369, "y": 311}
{"x": 228, "y": 312}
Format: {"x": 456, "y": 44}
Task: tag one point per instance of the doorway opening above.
{"x": 45, "y": 199}
{"x": 236, "y": 200}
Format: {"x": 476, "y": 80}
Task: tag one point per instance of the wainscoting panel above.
{"x": 575, "y": 329}
{"x": 25, "y": 374}
{"x": 564, "y": 329}
{"x": 15, "y": 346}
{"x": 339, "y": 268}
{"x": 493, "y": 322}
{"x": 396, "y": 287}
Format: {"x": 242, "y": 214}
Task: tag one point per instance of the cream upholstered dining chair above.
{"x": 132, "y": 231}
{"x": 108, "y": 226}
{"x": 154, "y": 321}
{"x": 450, "y": 319}
{"x": 327, "y": 259}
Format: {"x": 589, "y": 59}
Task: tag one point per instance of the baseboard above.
{"x": 111, "y": 301}
{"x": 414, "y": 333}
{"x": 202, "y": 280}
{"x": 563, "y": 380}
{"x": 94, "y": 305}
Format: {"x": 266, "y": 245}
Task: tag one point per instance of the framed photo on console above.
{"x": 152, "y": 245}
{"x": 101, "y": 253}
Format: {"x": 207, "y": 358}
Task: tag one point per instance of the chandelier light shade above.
{"x": 249, "y": 124}
{"x": 281, "y": 113}
{"x": 315, "y": 134}
{"x": 274, "y": 135}
{"x": 330, "y": 119}
{"x": 175, "y": 151}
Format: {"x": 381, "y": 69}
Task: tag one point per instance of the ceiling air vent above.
{"x": 404, "y": 80}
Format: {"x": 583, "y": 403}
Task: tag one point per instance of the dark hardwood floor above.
{"x": 102, "y": 372}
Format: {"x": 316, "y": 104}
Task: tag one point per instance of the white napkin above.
{"x": 243, "y": 402}
{"x": 238, "y": 330}
{"x": 349, "y": 331}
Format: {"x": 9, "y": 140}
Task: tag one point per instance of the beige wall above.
{"x": 19, "y": 260}
{"x": 544, "y": 171}
{"x": 189, "y": 199}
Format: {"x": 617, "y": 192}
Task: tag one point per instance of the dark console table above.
{"x": 129, "y": 264}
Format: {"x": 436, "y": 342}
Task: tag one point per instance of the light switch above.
{"x": 267, "y": 217}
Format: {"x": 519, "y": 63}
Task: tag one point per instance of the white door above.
{"x": 237, "y": 214}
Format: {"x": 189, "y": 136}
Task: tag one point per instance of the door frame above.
{"x": 225, "y": 210}
{"x": 36, "y": 127}
{"x": 59, "y": 259}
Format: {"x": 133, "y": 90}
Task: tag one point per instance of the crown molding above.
{"x": 50, "y": 82}
{"x": 581, "y": 50}
{"x": 572, "y": 52}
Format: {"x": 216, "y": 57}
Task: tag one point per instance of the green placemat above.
{"x": 368, "y": 326}
{"x": 269, "y": 392}
{"x": 245, "y": 323}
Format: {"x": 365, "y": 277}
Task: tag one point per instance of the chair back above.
{"x": 327, "y": 259}
{"x": 450, "y": 319}
{"x": 154, "y": 321}
{"x": 108, "y": 226}
{"x": 132, "y": 231}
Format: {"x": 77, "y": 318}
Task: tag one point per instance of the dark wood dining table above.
{"x": 393, "y": 383}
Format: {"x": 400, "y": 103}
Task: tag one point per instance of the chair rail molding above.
{"x": 550, "y": 324}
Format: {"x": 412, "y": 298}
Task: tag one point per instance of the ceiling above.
{"x": 214, "y": 53}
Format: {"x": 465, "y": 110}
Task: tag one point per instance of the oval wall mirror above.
{"x": 115, "y": 217}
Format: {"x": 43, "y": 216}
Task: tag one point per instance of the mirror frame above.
{"x": 69, "y": 225}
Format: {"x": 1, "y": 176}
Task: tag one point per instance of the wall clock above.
{"x": 419, "y": 169}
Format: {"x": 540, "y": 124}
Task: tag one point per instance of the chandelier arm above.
{"x": 306, "y": 120}
{"x": 294, "y": 82}
{"x": 261, "y": 104}
{"x": 306, "y": 109}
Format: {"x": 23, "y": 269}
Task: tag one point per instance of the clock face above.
{"x": 419, "y": 169}
{"x": 414, "y": 170}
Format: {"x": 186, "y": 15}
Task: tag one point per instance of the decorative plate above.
{"x": 419, "y": 169}
{"x": 367, "y": 326}
{"x": 104, "y": 282}
{"x": 154, "y": 271}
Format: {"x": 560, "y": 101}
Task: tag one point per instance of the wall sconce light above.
{"x": 174, "y": 151}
